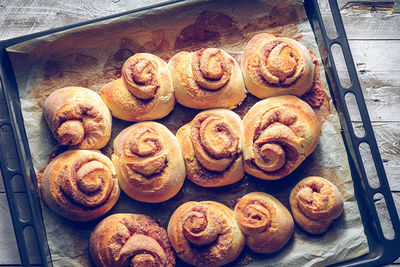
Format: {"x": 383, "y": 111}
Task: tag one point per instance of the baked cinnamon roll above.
{"x": 267, "y": 224}
{"x": 205, "y": 234}
{"x": 278, "y": 134}
{"x": 78, "y": 117}
{"x": 125, "y": 239}
{"x": 80, "y": 185}
{"x": 149, "y": 162}
{"x": 273, "y": 66}
{"x": 207, "y": 78}
{"x": 315, "y": 204}
{"x": 211, "y": 148}
{"x": 144, "y": 92}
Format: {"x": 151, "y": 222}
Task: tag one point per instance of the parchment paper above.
{"x": 93, "y": 55}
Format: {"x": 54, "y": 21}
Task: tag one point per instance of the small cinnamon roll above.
{"x": 273, "y": 66}
{"x": 315, "y": 204}
{"x": 78, "y": 118}
{"x": 144, "y": 92}
{"x": 267, "y": 224}
{"x": 80, "y": 185}
{"x": 149, "y": 162}
{"x": 278, "y": 134}
{"x": 207, "y": 78}
{"x": 205, "y": 234}
{"x": 211, "y": 148}
{"x": 125, "y": 239}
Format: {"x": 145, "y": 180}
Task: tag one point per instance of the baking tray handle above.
{"x": 382, "y": 250}
{"x": 28, "y": 228}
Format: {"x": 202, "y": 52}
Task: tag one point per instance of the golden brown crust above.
{"x": 78, "y": 117}
{"x": 80, "y": 185}
{"x": 125, "y": 239}
{"x": 207, "y": 78}
{"x": 267, "y": 224}
{"x": 278, "y": 134}
{"x": 205, "y": 233}
{"x": 273, "y": 66}
{"x": 144, "y": 92}
{"x": 315, "y": 204}
{"x": 149, "y": 162}
{"x": 211, "y": 148}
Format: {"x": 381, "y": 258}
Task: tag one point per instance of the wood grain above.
{"x": 370, "y": 20}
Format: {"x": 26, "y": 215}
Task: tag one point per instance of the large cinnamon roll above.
{"x": 278, "y": 134}
{"x": 315, "y": 204}
{"x": 149, "y": 162}
{"x": 78, "y": 117}
{"x": 80, "y": 185}
{"x": 273, "y": 66}
{"x": 211, "y": 147}
{"x": 135, "y": 240}
{"x": 207, "y": 78}
{"x": 267, "y": 224}
{"x": 144, "y": 92}
{"x": 205, "y": 233}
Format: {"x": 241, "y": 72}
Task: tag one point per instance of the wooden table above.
{"x": 373, "y": 31}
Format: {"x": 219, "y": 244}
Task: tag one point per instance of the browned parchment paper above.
{"x": 93, "y": 55}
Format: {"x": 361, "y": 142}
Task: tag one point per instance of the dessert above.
{"x": 149, "y": 162}
{"x": 207, "y": 78}
{"x": 205, "y": 234}
{"x": 78, "y": 118}
{"x": 267, "y": 224}
{"x": 144, "y": 92}
{"x": 278, "y": 134}
{"x": 315, "y": 204}
{"x": 126, "y": 239}
{"x": 80, "y": 185}
{"x": 273, "y": 66}
{"x": 211, "y": 148}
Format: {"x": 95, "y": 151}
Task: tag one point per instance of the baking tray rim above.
{"x": 379, "y": 253}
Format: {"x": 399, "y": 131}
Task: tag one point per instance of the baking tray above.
{"x": 16, "y": 164}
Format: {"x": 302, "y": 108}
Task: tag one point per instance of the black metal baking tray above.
{"x": 16, "y": 164}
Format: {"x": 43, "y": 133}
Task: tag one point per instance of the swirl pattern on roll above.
{"x": 144, "y": 92}
{"x": 274, "y": 66}
{"x": 211, "y": 147}
{"x": 207, "y": 78}
{"x": 267, "y": 224}
{"x": 78, "y": 117}
{"x": 80, "y": 185}
{"x": 279, "y": 133}
{"x": 315, "y": 204}
{"x": 149, "y": 162}
{"x": 205, "y": 233}
{"x": 124, "y": 239}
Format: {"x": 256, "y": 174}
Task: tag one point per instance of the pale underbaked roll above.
{"x": 267, "y": 224}
{"x": 205, "y": 234}
{"x": 211, "y": 148}
{"x": 78, "y": 117}
{"x": 273, "y": 66}
{"x": 80, "y": 185}
{"x": 149, "y": 162}
{"x": 207, "y": 78}
{"x": 126, "y": 239}
{"x": 278, "y": 134}
{"x": 144, "y": 92}
{"x": 315, "y": 204}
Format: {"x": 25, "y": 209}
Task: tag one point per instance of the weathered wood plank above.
{"x": 22, "y": 17}
{"x": 373, "y": 56}
{"x": 381, "y": 92}
{"x": 388, "y": 139}
{"x": 8, "y": 245}
{"x": 366, "y": 20}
